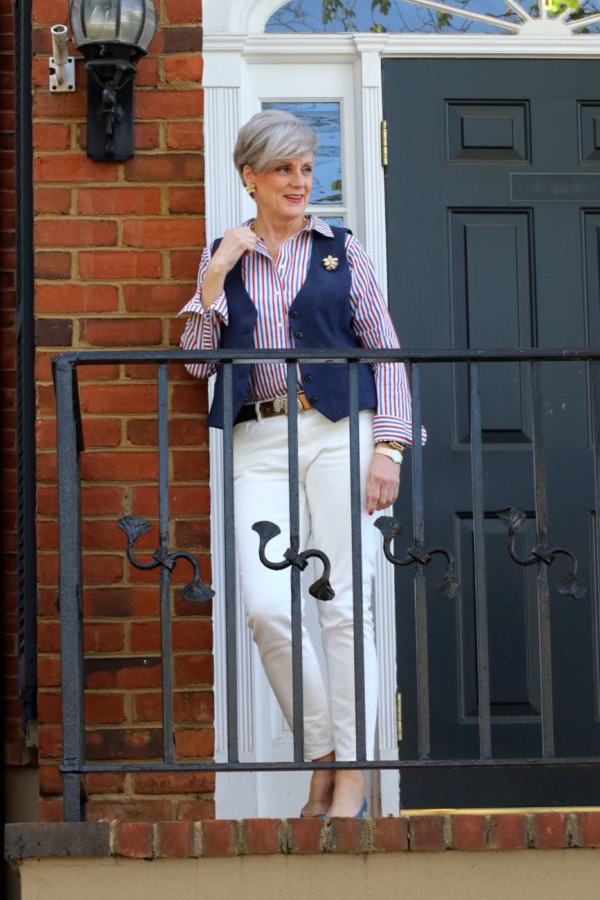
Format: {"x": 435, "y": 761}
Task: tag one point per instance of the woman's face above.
{"x": 283, "y": 192}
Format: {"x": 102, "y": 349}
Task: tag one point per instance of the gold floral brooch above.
{"x": 330, "y": 263}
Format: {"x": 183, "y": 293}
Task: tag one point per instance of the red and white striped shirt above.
{"x": 273, "y": 287}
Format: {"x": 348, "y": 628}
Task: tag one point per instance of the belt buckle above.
{"x": 281, "y": 404}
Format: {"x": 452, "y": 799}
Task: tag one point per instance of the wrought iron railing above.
{"x": 417, "y": 555}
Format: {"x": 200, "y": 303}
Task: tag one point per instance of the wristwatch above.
{"x": 395, "y": 445}
{"x": 390, "y": 449}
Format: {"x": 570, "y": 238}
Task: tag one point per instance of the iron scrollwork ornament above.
{"x": 134, "y": 527}
{"x": 416, "y": 553}
{"x": 513, "y": 519}
{"x": 321, "y": 589}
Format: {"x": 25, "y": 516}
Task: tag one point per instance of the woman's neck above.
{"x": 275, "y": 233}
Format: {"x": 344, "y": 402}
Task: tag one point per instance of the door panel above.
{"x": 491, "y": 307}
{"x": 493, "y": 242}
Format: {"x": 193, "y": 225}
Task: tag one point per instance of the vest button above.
{"x": 299, "y": 334}
{"x": 293, "y": 314}
{"x": 314, "y": 399}
{"x": 308, "y": 378}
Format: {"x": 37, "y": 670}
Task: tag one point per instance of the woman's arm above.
{"x": 373, "y": 325}
{"x": 392, "y": 422}
{"x": 236, "y": 242}
{"x": 203, "y": 327}
{"x": 207, "y": 309}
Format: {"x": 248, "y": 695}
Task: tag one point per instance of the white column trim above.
{"x": 223, "y": 206}
{"x": 385, "y": 795}
{"x": 370, "y": 116}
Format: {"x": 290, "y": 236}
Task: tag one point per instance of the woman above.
{"x": 284, "y": 279}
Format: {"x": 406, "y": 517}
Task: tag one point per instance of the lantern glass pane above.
{"x": 126, "y": 21}
{"x": 100, "y": 20}
{"x": 150, "y": 24}
{"x": 138, "y": 22}
{"x": 76, "y": 22}
{"x": 132, "y": 20}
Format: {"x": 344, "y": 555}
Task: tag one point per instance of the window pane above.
{"x": 585, "y": 10}
{"x": 400, "y": 16}
{"x": 325, "y": 118}
{"x": 382, "y": 16}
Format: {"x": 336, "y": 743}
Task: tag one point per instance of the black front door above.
{"x": 493, "y": 222}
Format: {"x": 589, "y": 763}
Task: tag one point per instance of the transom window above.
{"x": 435, "y": 16}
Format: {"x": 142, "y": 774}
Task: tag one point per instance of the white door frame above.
{"x": 234, "y": 43}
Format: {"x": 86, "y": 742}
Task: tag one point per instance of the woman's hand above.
{"x": 234, "y": 244}
{"x": 383, "y": 482}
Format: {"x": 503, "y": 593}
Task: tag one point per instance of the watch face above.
{"x": 395, "y": 455}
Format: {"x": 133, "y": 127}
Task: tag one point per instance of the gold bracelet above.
{"x": 393, "y": 445}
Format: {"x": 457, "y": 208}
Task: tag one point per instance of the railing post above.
{"x": 357, "y": 569}
{"x": 233, "y": 753}
{"x": 295, "y": 572}
{"x": 70, "y": 590}
{"x": 543, "y": 591}
{"x": 481, "y": 608}
{"x": 165, "y": 577}
{"x": 422, "y": 651}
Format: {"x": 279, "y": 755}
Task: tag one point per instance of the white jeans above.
{"x": 261, "y": 493}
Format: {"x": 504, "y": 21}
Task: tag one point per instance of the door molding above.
{"x": 233, "y": 43}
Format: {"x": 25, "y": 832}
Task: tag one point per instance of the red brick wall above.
{"x": 14, "y": 748}
{"x": 116, "y": 252}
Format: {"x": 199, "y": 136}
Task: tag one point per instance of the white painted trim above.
{"x": 270, "y": 47}
{"x": 224, "y": 206}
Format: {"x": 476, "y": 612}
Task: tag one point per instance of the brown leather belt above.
{"x": 266, "y": 409}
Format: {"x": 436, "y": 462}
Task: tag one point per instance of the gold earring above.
{"x": 251, "y": 188}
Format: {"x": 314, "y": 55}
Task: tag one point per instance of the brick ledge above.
{"x": 514, "y": 830}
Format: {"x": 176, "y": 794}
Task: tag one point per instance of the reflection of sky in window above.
{"x": 307, "y": 16}
{"x": 324, "y": 117}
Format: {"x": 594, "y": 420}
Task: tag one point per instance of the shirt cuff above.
{"x": 218, "y": 307}
{"x": 388, "y": 429}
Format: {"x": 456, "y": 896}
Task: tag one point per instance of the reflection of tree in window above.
{"x": 398, "y": 16}
{"x": 583, "y": 11}
{"x": 291, "y": 17}
{"x": 336, "y": 195}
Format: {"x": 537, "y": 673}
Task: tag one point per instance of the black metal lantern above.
{"x": 112, "y": 35}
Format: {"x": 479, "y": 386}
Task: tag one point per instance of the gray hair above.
{"x": 271, "y": 135}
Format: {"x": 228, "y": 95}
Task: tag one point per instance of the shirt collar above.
{"x": 313, "y": 224}
{"x": 316, "y": 224}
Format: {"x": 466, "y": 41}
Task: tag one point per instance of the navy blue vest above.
{"x": 319, "y": 317}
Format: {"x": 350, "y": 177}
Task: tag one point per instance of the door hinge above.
{"x": 399, "y": 735}
{"x": 384, "y": 142}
